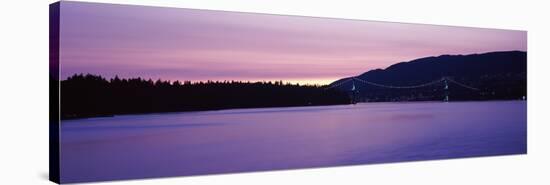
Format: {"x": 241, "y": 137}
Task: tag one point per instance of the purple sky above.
{"x": 183, "y": 44}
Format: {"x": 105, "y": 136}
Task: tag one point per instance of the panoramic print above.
{"x": 148, "y": 92}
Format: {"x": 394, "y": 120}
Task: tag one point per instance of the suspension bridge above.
{"x": 445, "y": 80}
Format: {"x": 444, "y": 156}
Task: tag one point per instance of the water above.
{"x": 239, "y": 140}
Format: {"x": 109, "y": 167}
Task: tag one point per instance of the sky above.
{"x": 199, "y": 45}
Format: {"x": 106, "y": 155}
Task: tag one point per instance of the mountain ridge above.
{"x": 441, "y": 58}
{"x": 499, "y": 73}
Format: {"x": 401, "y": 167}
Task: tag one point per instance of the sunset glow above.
{"x": 200, "y": 45}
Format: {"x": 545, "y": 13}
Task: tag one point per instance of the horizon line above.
{"x": 298, "y": 82}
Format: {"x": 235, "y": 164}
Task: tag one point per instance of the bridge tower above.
{"x": 446, "y": 89}
{"x": 353, "y": 92}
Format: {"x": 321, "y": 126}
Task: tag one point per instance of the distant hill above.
{"x": 498, "y": 75}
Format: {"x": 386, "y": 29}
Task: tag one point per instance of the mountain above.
{"x": 497, "y": 75}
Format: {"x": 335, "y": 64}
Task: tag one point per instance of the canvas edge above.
{"x": 54, "y": 153}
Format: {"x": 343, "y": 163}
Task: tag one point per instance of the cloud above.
{"x": 198, "y": 44}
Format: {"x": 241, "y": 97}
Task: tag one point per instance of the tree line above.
{"x": 93, "y": 95}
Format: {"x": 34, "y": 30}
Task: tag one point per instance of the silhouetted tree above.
{"x": 92, "y": 95}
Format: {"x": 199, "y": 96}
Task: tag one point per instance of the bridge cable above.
{"x": 399, "y": 87}
{"x": 463, "y": 85}
{"x": 402, "y": 87}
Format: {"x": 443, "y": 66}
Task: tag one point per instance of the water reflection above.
{"x": 156, "y": 145}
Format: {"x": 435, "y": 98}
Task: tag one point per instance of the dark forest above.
{"x": 92, "y": 96}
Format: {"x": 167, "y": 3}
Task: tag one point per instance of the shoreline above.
{"x": 224, "y": 109}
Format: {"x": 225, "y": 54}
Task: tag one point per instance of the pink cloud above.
{"x": 181, "y": 44}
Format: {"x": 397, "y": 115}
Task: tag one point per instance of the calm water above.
{"x": 156, "y": 145}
